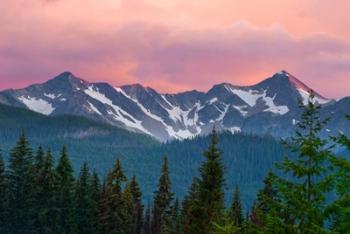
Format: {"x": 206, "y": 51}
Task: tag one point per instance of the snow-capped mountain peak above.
{"x": 258, "y": 108}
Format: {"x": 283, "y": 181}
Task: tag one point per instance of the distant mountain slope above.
{"x": 269, "y": 107}
{"x": 246, "y": 158}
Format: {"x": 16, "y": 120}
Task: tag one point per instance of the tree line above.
{"x": 38, "y": 195}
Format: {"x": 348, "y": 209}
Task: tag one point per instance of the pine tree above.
{"x": 175, "y": 218}
{"x": 46, "y": 220}
{"x": 39, "y": 159}
{"x": 187, "y": 215}
{"x": 266, "y": 204}
{"x": 135, "y": 207}
{"x": 236, "y": 211}
{"x": 303, "y": 196}
{"x": 209, "y": 207}
{"x": 20, "y": 177}
{"x": 117, "y": 217}
{"x": 339, "y": 210}
{"x": 65, "y": 193}
{"x": 83, "y": 215}
{"x": 3, "y": 197}
{"x": 162, "y": 202}
{"x": 146, "y": 227}
{"x": 94, "y": 193}
{"x": 104, "y": 210}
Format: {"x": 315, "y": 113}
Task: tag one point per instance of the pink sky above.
{"x": 176, "y": 45}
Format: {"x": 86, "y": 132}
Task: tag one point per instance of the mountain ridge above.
{"x": 271, "y": 103}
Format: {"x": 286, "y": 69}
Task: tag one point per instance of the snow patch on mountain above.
{"x": 281, "y": 110}
{"x": 305, "y": 95}
{"x": 52, "y": 95}
{"x": 94, "y": 109}
{"x": 118, "y": 114}
{"x": 37, "y": 104}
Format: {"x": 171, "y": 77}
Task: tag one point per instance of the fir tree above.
{"x": 339, "y": 210}
{"x": 104, "y": 210}
{"x": 236, "y": 211}
{"x": 175, "y": 218}
{"x": 3, "y": 197}
{"x": 65, "y": 193}
{"x": 94, "y": 193}
{"x": 187, "y": 215}
{"x": 20, "y": 177}
{"x": 146, "y": 227}
{"x": 162, "y": 202}
{"x": 303, "y": 196}
{"x": 135, "y": 207}
{"x": 117, "y": 217}
{"x": 39, "y": 159}
{"x": 209, "y": 207}
{"x": 83, "y": 215}
{"x": 46, "y": 220}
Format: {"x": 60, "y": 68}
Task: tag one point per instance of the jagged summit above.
{"x": 269, "y": 107}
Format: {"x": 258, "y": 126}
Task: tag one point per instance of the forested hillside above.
{"x": 39, "y": 195}
{"x": 246, "y": 158}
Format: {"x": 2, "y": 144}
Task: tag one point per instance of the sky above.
{"x": 176, "y": 45}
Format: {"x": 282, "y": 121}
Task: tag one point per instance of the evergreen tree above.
{"x": 46, "y": 220}
{"x": 20, "y": 177}
{"x": 146, "y": 227}
{"x": 83, "y": 215}
{"x": 94, "y": 193}
{"x": 236, "y": 211}
{"x": 162, "y": 202}
{"x": 266, "y": 204}
{"x": 104, "y": 210}
{"x": 339, "y": 210}
{"x": 303, "y": 196}
{"x": 117, "y": 216}
{"x": 3, "y": 197}
{"x": 187, "y": 215}
{"x": 209, "y": 207}
{"x": 175, "y": 218}
{"x": 135, "y": 207}
{"x": 39, "y": 159}
{"x": 65, "y": 193}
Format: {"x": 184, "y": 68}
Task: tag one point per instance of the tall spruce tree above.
{"x": 118, "y": 215}
{"x": 20, "y": 176}
{"x": 46, "y": 220}
{"x": 265, "y": 206}
{"x": 146, "y": 227}
{"x": 104, "y": 210}
{"x": 175, "y": 218}
{"x": 188, "y": 203}
{"x": 302, "y": 197}
{"x": 94, "y": 193}
{"x": 209, "y": 207}
{"x": 3, "y": 198}
{"x": 162, "y": 202}
{"x": 65, "y": 193}
{"x": 135, "y": 207}
{"x": 236, "y": 210}
{"x": 339, "y": 210}
{"x": 83, "y": 202}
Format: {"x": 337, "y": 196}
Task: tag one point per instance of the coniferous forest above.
{"x": 308, "y": 192}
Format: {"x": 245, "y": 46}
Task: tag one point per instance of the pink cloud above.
{"x": 144, "y": 42}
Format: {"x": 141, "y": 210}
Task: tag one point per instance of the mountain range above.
{"x": 269, "y": 107}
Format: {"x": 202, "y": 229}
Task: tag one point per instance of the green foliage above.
{"x": 303, "y": 198}
{"x": 163, "y": 198}
{"x": 4, "y": 209}
{"x": 20, "y": 178}
{"x": 236, "y": 211}
{"x": 208, "y": 206}
{"x": 65, "y": 194}
{"x": 339, "y": 210}
{"x": 45, "y": 194}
